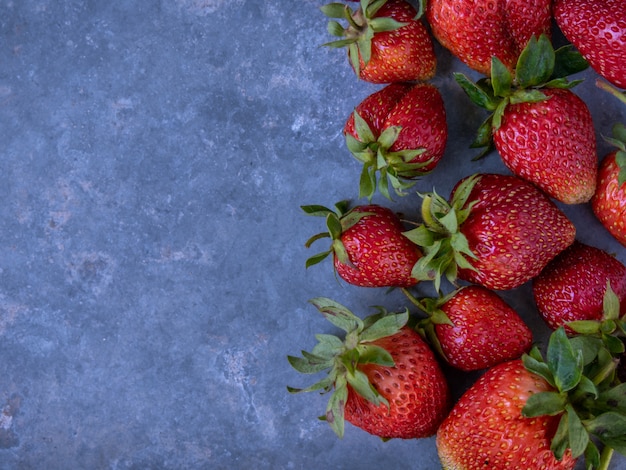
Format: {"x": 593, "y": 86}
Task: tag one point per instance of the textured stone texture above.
{"x": 153, "y": 157}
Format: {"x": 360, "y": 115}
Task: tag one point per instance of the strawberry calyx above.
{"x": 362, "y": 25}
{"x": 434, "y": 316}
{"x": 393, "y": 167}
{"x": 341, "y": 357}
{"x": 609, "y": 328}
{"x": 587, "y": 395}
{"x": 337, "y": 222}
{"x": 538, "y": 66}
{"x": 444, "y": 246}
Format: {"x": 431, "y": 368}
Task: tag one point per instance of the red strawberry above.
{"x": 387, "y": 41}
{"x": 476, "y": 30}
{"x": 368, "y": 246}
{"x": 544, "y": 134}
{"x": 609, "y": 200}
{"x": 486, "y": 429}
{"x": 498, "y": 231}
{"x": 386, "y": 380}
{"x": 572, "y": 286}
{"x": 539, "y": 413}
{"x": 596, "y": 28}
{"x": 399, "y": 132}
{"x": 474, "y": 328}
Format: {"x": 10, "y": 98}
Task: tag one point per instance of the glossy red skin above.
{"x": 415, "y": 388}
{"x": 609, "y": 200}
{"x": 514, "y": 229}
{"x": 402, "y": 55}
{"x": 486, "y": 331}
{"x": 476, "y": 30}
{"x": 380, "y": 256}
{"x": 572, "y": 286}
{"x": 418, "y": 109}
{"x": 551, "y": 143}
{"x": 486, "y": 429}
{"x": 597, "y": 29}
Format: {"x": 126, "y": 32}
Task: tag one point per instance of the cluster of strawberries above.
{"x": 494, "y": 232}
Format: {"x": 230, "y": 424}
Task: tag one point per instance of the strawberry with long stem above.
{"x": 472, "y": 328}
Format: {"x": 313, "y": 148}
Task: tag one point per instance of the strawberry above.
{"x": 596, "y": 28}
{"x": 368, "y": 245}
{"x": 539, "y": 413}
{"x": 476, "y": 30}
{"x": 474, "y": 328}
{"x": 573, "y": 285}
{"x": 399, "y": 132}
{"x": 498, "y": 231}
{"x": 609, "y": 201}
{"x": 543, "y": 132}
{"x": 386, "y": 39}
{"x": 384, "y": 377}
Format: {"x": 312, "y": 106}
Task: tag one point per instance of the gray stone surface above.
{"x": 153, "y": 157}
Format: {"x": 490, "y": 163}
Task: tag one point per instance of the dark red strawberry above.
{"x": 399, "y": 133}
{"x": 476, "y": 30}
{"x": 498, "y": 231}
{"x": 541, "y": 129}
{"x": 473, "y": 328}
{"x": 573, "y": 285}
{"x": 384, "y": 377}
{"x": 596, "y": 28}
{"x": 609, "y": 200}
{"x": 368, "y": 245}
{"x": 386, "y": 39}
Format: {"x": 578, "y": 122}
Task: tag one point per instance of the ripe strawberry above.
{"x": 387, "y": 41}
{"x": 486, "y": 428}
{"x": 609, "y": 201}
{"x": 498, "y": 231}
{"x": 573, "y": 285}
{"x": 386, "y": 380}
{"x": 544, "y": 134}
{"x": 368, "y": 247}
{"x": 474, "y": 328}
{"x": 596, "y": 28}
{"x": 399, "y": 132}
{"x": 539, "y": 413}
{"x": 476, "y": 30}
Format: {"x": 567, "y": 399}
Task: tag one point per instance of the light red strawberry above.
{"x": 368, "y": 246}
{"x": 538, "y": 412}
{"x": 398, "y": 133}
{"x": 573, "y": 285}
{"x": 476, "y": 30}
{"x": 609, "y": 201}
{"x": 384, "y": 378}
{"x": 486, "y": 429}
{"x": 543, "y": 132}
{"x": 498, "y": 231}
{"x": 386, "y": 39}
{"x": 474, "y": 328}
{"x": 596, "y": 28}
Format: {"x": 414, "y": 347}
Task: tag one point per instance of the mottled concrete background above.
{"x": 153, "y": 158}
